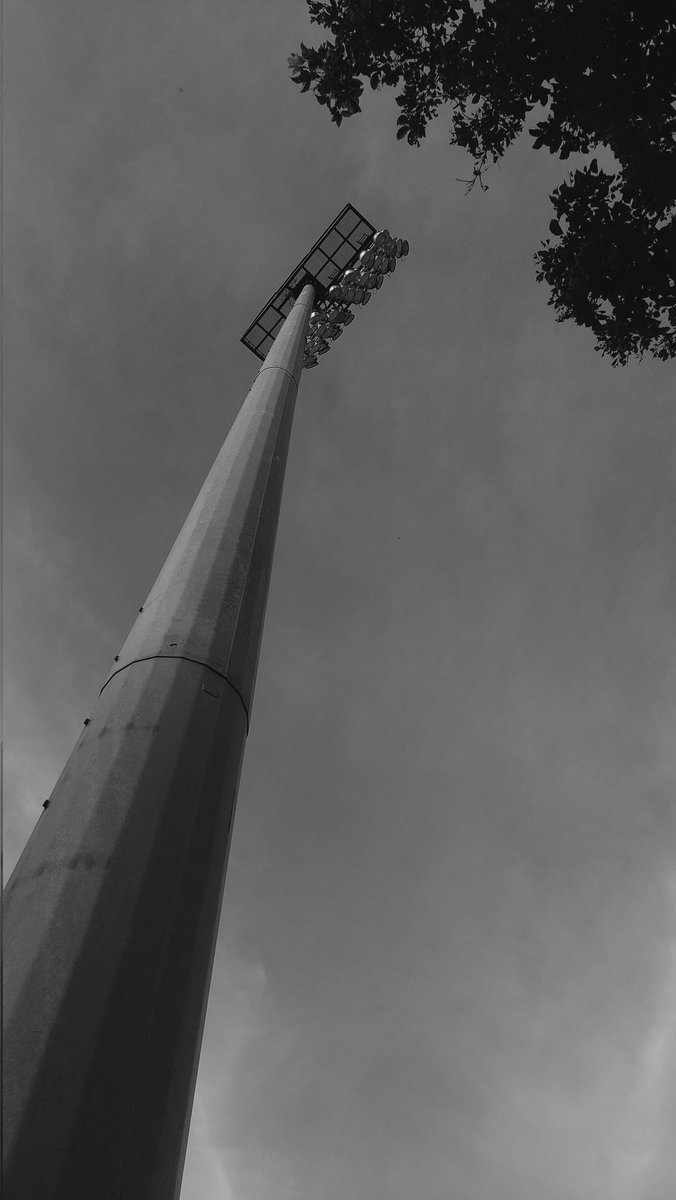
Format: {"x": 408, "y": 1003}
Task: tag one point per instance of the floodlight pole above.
{"x": 111, "y": 915}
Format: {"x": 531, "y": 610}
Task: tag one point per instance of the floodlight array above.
{"x": 351, "y": 287}
{"x": 335, "y": 251}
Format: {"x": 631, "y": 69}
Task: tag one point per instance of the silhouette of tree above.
{"x": 603, "y": 72}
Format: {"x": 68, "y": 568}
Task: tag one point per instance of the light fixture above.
{"x": 345, "y": 266}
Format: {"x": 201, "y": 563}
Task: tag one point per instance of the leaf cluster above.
{"x": 601, "y": 73}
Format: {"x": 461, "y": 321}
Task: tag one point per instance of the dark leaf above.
{"x": 490, "y": 65}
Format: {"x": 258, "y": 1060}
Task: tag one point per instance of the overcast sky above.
{"x": 447, "y": 960}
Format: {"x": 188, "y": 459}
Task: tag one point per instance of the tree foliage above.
{"x": 601, "y": 72}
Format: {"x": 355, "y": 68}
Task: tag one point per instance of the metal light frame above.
{"x": 335, "y": 266}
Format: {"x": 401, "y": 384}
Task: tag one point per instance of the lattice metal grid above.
{"x": 333, "y": 253}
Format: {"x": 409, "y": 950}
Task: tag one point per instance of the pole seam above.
{"x": 181, "y": 658}
{"x": 274, "y": 367}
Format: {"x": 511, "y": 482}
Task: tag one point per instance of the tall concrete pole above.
{"x": 111, "y": 915}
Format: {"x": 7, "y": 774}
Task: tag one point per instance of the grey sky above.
{"x": 447, "y": 960}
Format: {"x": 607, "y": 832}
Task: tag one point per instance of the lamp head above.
{"x": 345, "y": 265}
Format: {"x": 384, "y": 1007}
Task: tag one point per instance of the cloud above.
{"x": 205, "y": 1176}
{"x": 644, "y": 1144}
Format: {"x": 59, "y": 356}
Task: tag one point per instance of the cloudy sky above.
{"x": 447, "y": 959}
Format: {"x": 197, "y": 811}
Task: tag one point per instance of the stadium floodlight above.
{"x": 344, "y": 266}
{"x": 111, "y": 913}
